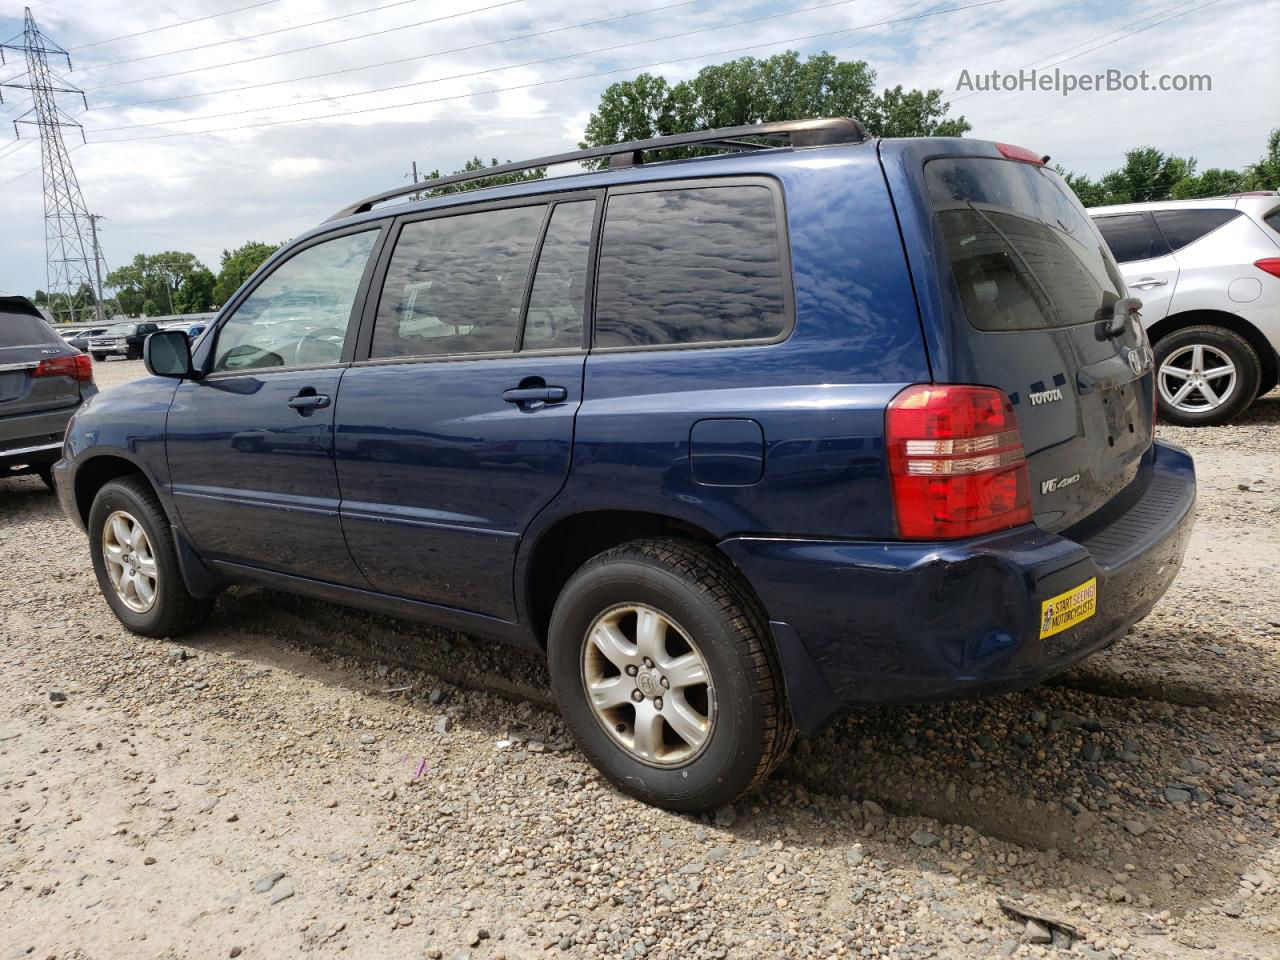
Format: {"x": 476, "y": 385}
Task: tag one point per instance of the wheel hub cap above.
{"x": 131, "y": 565}
{"x": 648, "y": 685}
{"x": 1197, "y": 378}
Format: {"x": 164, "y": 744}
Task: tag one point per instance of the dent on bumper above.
{"x": 861, "y": 622}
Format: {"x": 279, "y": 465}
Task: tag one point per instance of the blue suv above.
{"x": 743, "y": 428}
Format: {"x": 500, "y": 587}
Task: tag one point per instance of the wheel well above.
{"x": 571, "y": 542}
{"x": 1220, "y": 318}
{"x": 96, "y": 473}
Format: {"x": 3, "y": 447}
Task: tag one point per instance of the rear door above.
{"x": 458, "y": 427}
{"x": 1033, "y": 305}
{"x": 1146, "y": 261}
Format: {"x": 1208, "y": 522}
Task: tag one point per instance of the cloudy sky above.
{"x": 265, "y": 116}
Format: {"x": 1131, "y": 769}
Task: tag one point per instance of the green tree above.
{"x": 149, "y": 284}
{"x": 474, "y": 164}
{"x": 1265, "y": 174}
{"x": 195, "y": 294}
{"x": 749, "y": 90}
{"x": 237, "y": 266}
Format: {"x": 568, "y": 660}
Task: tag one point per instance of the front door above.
{"x": 458, "y": 428}
{"x": 250, "y": 445}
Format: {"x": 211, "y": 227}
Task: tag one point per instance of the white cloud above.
{"x": 206, "y": 193}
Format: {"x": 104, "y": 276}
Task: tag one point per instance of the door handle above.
{"x": 523, "y": 395}
{"x": 1147, "y": 282}
{"x": 309, "y": 401}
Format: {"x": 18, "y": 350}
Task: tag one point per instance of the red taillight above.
{"x": 1269, "y": 265}
{"x": 78, "y": 366}
{"x": 1020, "y": 153}
{"x": 956, "y": 462}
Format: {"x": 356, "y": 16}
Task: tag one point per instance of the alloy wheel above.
{"x": 131, "y": 563}
{"x": 648, "y": 685}
{"x": 1197, "y": 378}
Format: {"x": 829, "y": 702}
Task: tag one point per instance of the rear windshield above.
{"x": 24, "y": 330}
{"x": 1024, "y": 254}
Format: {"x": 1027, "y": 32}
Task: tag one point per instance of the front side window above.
{"x": 298, "y": 316}
{"x": 455, "y": 284}
{"x": 1131, "y": 236}
{"x": 1183, "y": 227}
{"x": 690, "y": 265}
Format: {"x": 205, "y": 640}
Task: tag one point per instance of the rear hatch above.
{"x": 1036, "y": 307}
{"x": 26, "y": 340}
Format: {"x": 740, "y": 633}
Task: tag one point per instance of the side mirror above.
{"x": 167, "y": 353}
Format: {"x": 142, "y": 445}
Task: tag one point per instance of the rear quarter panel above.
{"x": 819, "y": 396}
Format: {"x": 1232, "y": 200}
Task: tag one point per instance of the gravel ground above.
{"x": 299, "y": 778}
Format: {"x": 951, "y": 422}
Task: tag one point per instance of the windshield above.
{"x": 1024, "y": 254}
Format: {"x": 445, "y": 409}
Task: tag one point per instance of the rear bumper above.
{"x": 32, "y": 439}
{"x": 896, "y": 622}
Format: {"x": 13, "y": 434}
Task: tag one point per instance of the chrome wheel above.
{"x": 648, "y": 685}
{"x": 1197, "y": 378}
{"x": 131, "y": 565}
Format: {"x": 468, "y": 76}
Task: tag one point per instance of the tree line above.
{"x": 743, "y": 91}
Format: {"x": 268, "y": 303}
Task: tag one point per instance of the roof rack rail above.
{"x": 795, "y": 133}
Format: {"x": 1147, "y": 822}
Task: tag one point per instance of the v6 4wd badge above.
{"x": 1057, "y": 483}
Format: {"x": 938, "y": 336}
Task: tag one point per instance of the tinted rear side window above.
{"x": 24, "y": 330}
{"x": 455, "y": 284}
{"x": 1132, "y": 236}
{"x": 1023, "y": 253}
{"x": 1272, "y": 220}
{"x": 690, "y": 265}
{"x": 1182, "y": 227}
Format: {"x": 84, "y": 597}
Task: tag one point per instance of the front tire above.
{"x": 665, "y": 673}
{"x": 136, "y": 563}
{"x": 1205, "y": 376}
{"x": 45, "y": 473}
{"x": 99, "y": 357}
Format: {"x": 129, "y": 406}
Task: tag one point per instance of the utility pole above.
{"x": 67, "y": 224}
{"x": 97, "y": 263}
{"x": 415, "y": 171}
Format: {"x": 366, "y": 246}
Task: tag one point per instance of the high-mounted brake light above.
{"x": 1020, "y": 153}
{"x": 77, "y": 366}
{"x": 956, "y": 462}
{"x": 1269, "y": 265}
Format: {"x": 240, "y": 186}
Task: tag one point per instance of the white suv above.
{"x": 1208, "y": 275}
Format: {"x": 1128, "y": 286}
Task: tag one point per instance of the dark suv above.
{"x": 742, "y": 441}
{"x": 122, "y": 340}
{"x": 43, "y": 380}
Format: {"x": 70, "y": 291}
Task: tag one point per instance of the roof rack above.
{"x": 795, "y": 133}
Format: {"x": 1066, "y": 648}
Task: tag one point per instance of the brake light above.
{"x": 956, "y": 462}
{"x": 1269, "y": 265}
{"x": 1020, "y": 153}
{"x": 77, "y": 366}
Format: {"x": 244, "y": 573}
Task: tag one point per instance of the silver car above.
{"x": 1208, "y": 274}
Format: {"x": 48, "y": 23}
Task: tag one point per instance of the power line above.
{"x": 313, "y": 46}
{"x": 1127, "y": 35}
{"x": 474, "y": 73}
{"x": 423, "y": 56}
{"x": 543, "y": 83}
{"x": 170, "y": 26}
{"x": 297, "y": 26}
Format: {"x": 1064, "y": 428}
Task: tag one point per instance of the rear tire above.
{"x": 165, "y": 608}
{"x": 45, "y": 473}
{"x": 1205, "y": 376}
{"x": 709, "y": 740}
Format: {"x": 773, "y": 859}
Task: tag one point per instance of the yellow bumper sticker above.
{"x": 1067, "y": 609}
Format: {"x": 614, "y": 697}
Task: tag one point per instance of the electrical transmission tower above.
{"x": 72, "y": 255}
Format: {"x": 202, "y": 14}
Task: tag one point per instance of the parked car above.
{"x": 742, "y": 442}
{"x": 80, "y": 339}
{"x": 43, "y": 381}
{"x": 1208, "y": 273}
{"x": 121, "y": 340}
